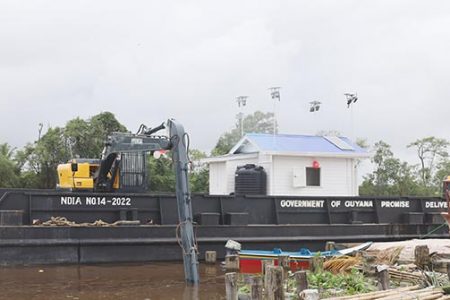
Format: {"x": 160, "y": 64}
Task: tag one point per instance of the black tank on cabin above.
{"x": 250, "y": 179}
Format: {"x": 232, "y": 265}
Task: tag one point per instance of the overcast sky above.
{"x": 147, "y": 61}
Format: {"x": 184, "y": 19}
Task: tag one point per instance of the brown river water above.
{"x": 149, "y": 281}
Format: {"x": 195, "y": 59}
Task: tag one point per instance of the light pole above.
{"x": 351, "y": 99}
{"x": 275, "y": 94}
{"x": 314, "y": 107}
{"x": 241, "y": 101}
{"x": 40, "y": 130}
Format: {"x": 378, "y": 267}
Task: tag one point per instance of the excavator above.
{"x": 123, "y": 157}
{"x": 123, "y": 154}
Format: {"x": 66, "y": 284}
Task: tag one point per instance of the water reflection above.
{"x": 190, "y": 293}
{"x": 125, "y": 281}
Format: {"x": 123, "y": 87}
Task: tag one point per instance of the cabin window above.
{"x": 312, "y": 176}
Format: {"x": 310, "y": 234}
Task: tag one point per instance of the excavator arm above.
{"x": 145, "y": 141}
{"x": 179, "y": 141}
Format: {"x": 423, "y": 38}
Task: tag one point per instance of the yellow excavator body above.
{"x": 79, "y": 175}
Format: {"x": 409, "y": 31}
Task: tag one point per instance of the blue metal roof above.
{"x": 300, "y": 143}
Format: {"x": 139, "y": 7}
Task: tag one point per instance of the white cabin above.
{"x": 295, "y": 165}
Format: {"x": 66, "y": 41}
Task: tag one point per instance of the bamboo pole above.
{"x": 374, "y": 295}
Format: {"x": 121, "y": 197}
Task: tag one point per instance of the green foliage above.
{"x": 29, "y": 179}
{"x": 199, "y": 181}
{"x": 225, "y": 143}
{"x": 362, "y": 142}
{"x": 199, "y": 175}
{"x": 9, "y": 172}
{"x": 430, "y": 151}
{"x": 78, "y": 132}
{"x": 394, "y": 177}
{"x": 347, "y": 283}
{"x": 38, "y": 161}
{"x": 35, "y": 165}
{"x": 6, "y": 151}
{"x": 390, "y": 177}
{"x": 258, "y": 122}
{"x": 442, "y": 171}
{"x": 244, "y": 289}
{"x": 161, "y": 174}
{"x": 162, "y": 177}
{"x": 43, "y": 157}
{"x": 86, "y": 137}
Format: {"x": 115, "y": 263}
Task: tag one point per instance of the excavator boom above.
{"x": 105, "y": 178}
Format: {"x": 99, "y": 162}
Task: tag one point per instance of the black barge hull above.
{"x": 258, "y": 222}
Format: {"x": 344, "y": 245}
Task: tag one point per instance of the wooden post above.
{"x": 265, "y": 264}
{"x": 256, "y": 288}
{"x": 232, "y": 262}
{"x": 329, "y": 246}
{"x": 301, "y": 281}
{"x": 231, "y": 287}
{"x": 317, "y": 264}
{"x": 383, "y": 277}
{"x": 274, "y": 285}
{"x": 422, "y": 256}
{"x": 210, "y": 257}
{"x": 283, "y": 261}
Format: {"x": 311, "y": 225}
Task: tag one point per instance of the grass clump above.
{"x": 330, "y": 284}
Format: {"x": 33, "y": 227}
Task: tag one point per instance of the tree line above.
{"x": 34, "y": 166}
{"x": 392, "y": 176}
